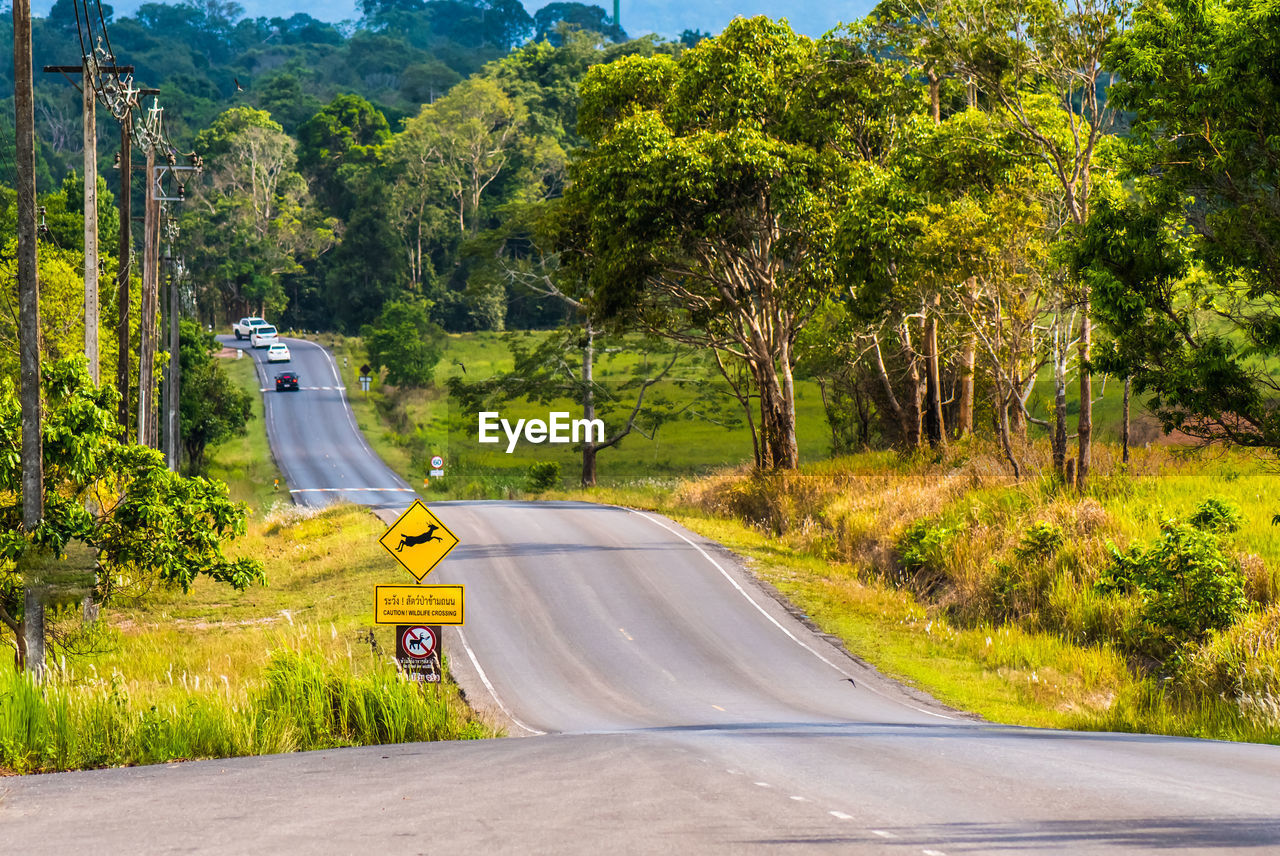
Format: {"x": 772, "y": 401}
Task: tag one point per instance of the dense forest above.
{"x": 929, "y": 212}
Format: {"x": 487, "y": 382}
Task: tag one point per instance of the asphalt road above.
{"x": 668, "y": 704}
{"x": 322, "y": 455}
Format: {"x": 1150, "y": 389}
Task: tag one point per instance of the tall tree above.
{"x": 463, "y": 141}
{"x": 251, "y": 217}
{"x": 1188, "y": 270}
{"x": 1037, "y": 64}
{"x": 703, "y": 210}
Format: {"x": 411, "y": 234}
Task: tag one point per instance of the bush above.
{"x": 920, "y": 552}
{"x": 543, "y": 476}
{"x": 1216, "y": 515}
{"x": 405, "y": 342}
{"x": 1188, "y": 585}
{"x": 1041, "y": 541}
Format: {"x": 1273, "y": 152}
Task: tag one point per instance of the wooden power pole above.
{"x": 91, "y": 216}
{"x": 147, "y": 331}
{"x": 28, "y": 322}
{"x": 123, "y": 386}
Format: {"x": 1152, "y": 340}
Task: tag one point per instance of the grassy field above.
{"x": 1057, "y": 652}
{"x": 245, "y": 463}
{"x": 406, "y": 427}
{"x": 292, "y": 665}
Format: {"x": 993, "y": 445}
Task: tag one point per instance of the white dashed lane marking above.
{"x": 839, "y": 815}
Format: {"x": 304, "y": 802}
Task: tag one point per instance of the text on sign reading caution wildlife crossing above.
{"x": 418, "y": 605}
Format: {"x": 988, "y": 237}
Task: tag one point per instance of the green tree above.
{"x": 548, "y": 21}
{"x": 703, "y": 210}
{"x": 1188, "y": 269}
{"x": 250, "y": 221}
{"x": 405, "y": 342}
{"x": 461, "y": 143}
{"x": 118, "y": 502}
{"x": 346, "y": 132}
{"x": 213, "y": 409}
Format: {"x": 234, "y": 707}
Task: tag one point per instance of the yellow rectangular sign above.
{"x": 417, "y": 605}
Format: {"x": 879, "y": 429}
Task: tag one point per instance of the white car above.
{"x": 245, "y": 326}
{"x": 278, "y": 353}
{"x": 262, "y": 337}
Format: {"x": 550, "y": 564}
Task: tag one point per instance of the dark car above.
{"x": 286, "y": 380}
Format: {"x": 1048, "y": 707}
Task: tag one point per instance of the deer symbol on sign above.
{"x": 416, "y": 643}
{"x": 414, "y": 540}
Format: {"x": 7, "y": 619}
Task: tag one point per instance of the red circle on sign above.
{"x": 418, "y": 642}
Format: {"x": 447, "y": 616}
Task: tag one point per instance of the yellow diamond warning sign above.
{"x": 418, "y": 540}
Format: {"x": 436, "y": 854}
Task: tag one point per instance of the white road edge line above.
{"x": 772, "y": 620}
{"x": 492, "y": 692}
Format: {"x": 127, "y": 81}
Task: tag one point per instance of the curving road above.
{"x": 317, "y": 446}
{"x": 669, "y": 704}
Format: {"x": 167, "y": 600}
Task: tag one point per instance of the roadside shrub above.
{"x": 1188, "y": 584}
{"x": 543, "y": 476}
{"x": 921, "y": 553}
{"x": 1216, "y": 515}
{"x": 1019, "y": 588}
{"x": 1241, "y": 664}
{"x": 1041, "y": 541}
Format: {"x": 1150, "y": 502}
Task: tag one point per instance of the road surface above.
{"x": 317, "y": 446}
{"x": 667, "y": 703}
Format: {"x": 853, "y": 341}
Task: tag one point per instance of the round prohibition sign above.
{"x": 437, "y": 462}
{"x": 419, "y": 642}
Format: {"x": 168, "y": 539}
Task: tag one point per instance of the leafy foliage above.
{"x": 1187, "y": 582}
{"x": 405, "y": 342}
{"x": 1188, "y": 267}
{"x": 142, "y": 521}
{"x": 213, "y": 409}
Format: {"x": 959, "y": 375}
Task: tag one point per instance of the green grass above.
{"x": 291, "y": 665}
{"x": 406, "y": 427}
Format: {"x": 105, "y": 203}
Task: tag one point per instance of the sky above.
{"x": 667, "y": 17}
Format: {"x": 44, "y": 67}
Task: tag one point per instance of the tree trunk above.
{"x": 1085, "y": 425}
{"x": 589, "y": 405}
{"x": 1124, "y": 425}
{"x": 915, "y": 414}
{"x": 1060, "y": 400}
{"x": 934, "y": 421}
{"x": 1006, "y": 442}
{"x": 935, "y": 95}
{"x": 899, "y": 415}
{"x": 777, "y": 424}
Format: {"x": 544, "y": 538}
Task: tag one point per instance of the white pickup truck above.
{"x": 245, "y": 326}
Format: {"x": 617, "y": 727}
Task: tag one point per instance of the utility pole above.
{"x": 89, "y": 70}
{"x": 147, "y": 328}
{"x": 91, "y": 217}
{"x": 28, "y": 324}
{"x": 172, "y": 373}
{"x": 125, "y": 202}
